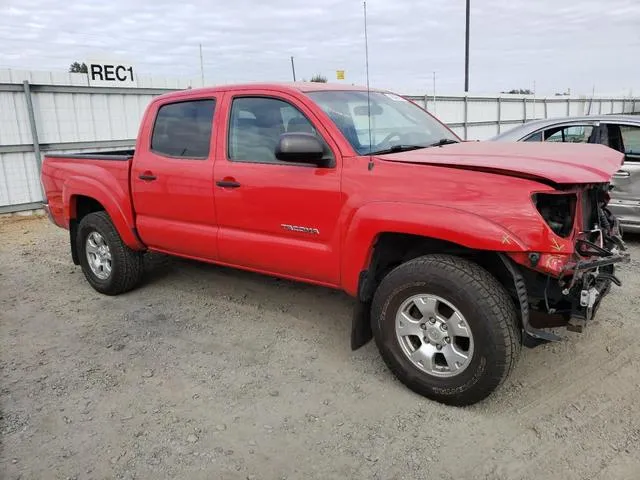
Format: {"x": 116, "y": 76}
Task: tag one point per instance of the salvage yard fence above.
{"x": 47, "y": 112}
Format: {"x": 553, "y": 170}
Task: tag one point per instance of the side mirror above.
{"x": 299, "y": 147}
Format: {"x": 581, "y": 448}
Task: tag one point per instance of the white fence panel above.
{"x": 481, "y": 110}
{"x": 475, "y": 132}
{"x": 20, "y": 181}
{"x": 556, "y": 109}
{"x": 511, "y": 110}
{"x": 576, "y": 107}
{"x": 14, "y": 119}
{"x": 448, "y": 111}
{"x": 70, "y": 116}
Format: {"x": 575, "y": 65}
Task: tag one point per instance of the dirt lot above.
{"x": 206, "y": 372}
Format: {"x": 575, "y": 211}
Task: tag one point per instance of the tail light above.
{"x": 558, "y": 210}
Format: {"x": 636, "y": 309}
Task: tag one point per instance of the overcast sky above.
{"x": 557, "y": 44}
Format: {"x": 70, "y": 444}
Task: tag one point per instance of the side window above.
{"x": 183, "y": 129}
{"x": 255, "y": 126}
{"x": 630, "y": 139}
{"x": 573, "y": 134}
{"x": 536, "y": 137}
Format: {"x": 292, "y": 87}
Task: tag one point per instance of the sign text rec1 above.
{"x": 110, "y": 74}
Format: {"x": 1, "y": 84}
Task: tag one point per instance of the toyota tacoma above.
{"x": 450, "y": 249}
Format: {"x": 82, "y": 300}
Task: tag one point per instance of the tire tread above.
{"x": 488, "y": 293}
{"x": 130, "y": 265}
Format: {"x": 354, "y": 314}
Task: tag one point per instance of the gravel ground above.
{"x": 207, "y": 372}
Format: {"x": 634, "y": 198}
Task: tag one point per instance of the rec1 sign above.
{"x": 106, "y": 74}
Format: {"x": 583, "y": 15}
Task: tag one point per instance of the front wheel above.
{"x": 107, "y": 263}
{"x": 446, "y": 328}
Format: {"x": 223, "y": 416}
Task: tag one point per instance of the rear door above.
{"x": 626, "y": 182}
{"x": 172, "y": 180}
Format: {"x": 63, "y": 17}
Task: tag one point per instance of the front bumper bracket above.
{"x": 521, "y": 291}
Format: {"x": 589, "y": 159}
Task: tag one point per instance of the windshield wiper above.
{"x": 397, "y": 149}
{"x": 443, "y": 141}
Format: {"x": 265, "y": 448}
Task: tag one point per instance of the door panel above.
{"x": 626, "y": 182}
{"x": 172, "y": 181}
{"x": 274, "y": 216}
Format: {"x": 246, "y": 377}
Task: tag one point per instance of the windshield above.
{"x": 396, "y": 123}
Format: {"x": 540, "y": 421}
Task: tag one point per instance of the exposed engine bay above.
{"x": 575, "y": 293}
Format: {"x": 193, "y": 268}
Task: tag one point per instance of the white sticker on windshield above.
{"x": 394, "y": 97}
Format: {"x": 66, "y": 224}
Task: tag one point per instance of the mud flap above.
{"x": 73, "y": 234}
{"x": 361, "y": 331}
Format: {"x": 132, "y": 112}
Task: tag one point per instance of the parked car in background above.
{"x": 620, "y": 132}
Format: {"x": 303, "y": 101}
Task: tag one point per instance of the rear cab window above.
{"x": 183, "y": 129}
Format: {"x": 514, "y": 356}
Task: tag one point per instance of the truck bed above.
{"x": 102, "y": 176}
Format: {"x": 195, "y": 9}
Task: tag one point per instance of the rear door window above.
{"x": 183, "y": 129}
{"x": 631, "y": 141}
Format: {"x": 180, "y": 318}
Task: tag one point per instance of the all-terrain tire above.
{"x": 484, "y": 303}
{"x": 126, "y": 264}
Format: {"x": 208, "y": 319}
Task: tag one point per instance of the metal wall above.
{"x": 482, "y": 117}
{"x": 44, "y": 112}
{"x": 67, "y": 116}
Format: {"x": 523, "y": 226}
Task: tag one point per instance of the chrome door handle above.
{"x": 621, "y": 174}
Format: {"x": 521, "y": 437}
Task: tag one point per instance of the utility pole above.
{"x": 434, "y": 92}
{"x": 466, "y": 50}
{"x": 534, "y": 99}
{"x": 201, "y": 67}
{"x": 293, "y": 69}
{"x": 593, "y": 94}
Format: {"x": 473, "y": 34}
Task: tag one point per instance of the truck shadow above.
{"x": 320, "y": 318}
{"x": 327, "y": 309}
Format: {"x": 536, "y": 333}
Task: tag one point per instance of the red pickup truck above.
{"x": 452, "y": 250}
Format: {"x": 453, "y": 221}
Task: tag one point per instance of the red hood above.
{"x": 554, "y": 162}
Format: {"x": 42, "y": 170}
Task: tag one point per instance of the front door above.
{"x": 172, "y": 181}
{"x": 274, "y": 216}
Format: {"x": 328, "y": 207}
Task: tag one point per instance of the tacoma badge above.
{"x": 296, "y": 228}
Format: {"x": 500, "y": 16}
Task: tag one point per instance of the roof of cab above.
{"x": 275, "y": 86}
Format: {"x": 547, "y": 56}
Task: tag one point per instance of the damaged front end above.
{"x": 564, "y": 287}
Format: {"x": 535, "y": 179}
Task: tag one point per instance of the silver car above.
{"x": 620, "y": 132}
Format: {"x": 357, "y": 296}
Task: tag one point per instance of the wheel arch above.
{"x": 382, "y": 223}
{"x": 392, "y": 249}
{"x": 80, "y": 206}
{"x": 84, "y": 195}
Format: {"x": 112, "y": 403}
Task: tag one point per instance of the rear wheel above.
{"x": 107, "y": 263}
{"x": 446, "y": 328}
